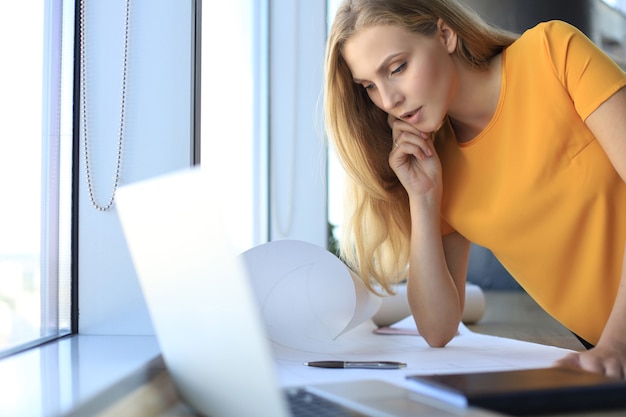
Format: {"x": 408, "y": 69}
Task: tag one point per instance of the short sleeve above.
{"x": 588, "y": 74}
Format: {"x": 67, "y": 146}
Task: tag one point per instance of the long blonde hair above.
{"x": 376, "y": 231}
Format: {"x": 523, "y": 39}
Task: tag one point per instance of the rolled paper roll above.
{"x": 474, "y": 304}
{"x": 394, "y": 308}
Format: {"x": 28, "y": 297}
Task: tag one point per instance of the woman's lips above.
{"x": 413, "y": 117}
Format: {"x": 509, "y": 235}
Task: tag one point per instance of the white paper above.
{"x": 474, "y": 304}
{"x": 315, "y": 309}
{"x": 308, "y": 298}
{"x": 396, "y": 307}
{"x": 467, "y": 352}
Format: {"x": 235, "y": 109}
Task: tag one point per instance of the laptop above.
{"x": 206, "y": 320}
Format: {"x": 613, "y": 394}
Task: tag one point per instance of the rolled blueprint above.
{"x": 396, "y": 307}
{"x": 474, "y": 304}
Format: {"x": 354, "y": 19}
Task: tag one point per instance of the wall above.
{"x": 519, "y": 15}
{"x": 158, "y": 140}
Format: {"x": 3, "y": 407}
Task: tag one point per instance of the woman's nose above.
{"x": 391, "y": 98}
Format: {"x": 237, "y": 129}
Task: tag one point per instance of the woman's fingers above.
{"x": 398, "y": 126}
{"x": 413, "y": 158}
{"x": 411, "y": 143}
{"x": 417, "y": 142}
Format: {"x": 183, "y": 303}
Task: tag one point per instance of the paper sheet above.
{"x": 315, "y": 309}
{"x": 467, "y": 352}
{"x": 308, "y": 298}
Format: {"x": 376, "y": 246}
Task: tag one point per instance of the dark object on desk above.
{"x": 526, "y": 392}
{"x": 357, "y": 365}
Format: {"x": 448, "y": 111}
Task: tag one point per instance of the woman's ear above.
{"x": 447, "y": 35}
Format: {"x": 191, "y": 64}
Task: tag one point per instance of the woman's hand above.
{"x": 414, "y": 160}
{"x": 608, "y": 361}
{"x": 609, "y": 355}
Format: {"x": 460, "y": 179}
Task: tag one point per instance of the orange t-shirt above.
{"x": 536, "y": 187}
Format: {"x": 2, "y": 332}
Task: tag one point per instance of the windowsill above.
{"x": 76, "y": 375}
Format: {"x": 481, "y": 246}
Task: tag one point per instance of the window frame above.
{"x": 55, "y": 246}
{"x": 132, "y": 350}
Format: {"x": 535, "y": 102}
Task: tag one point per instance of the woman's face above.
{"x": 409, "y": 76}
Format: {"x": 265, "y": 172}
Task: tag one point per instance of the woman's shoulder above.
{"x": 553, "y": 32}
{"x": 555, "y": 42}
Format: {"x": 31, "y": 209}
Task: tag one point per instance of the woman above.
{"x": 452, "y": 131}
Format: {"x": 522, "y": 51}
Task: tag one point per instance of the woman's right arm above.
{"x": 437, "y": 265}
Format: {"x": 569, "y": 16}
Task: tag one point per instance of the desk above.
{"x": 510, "y": 314}
{"x": 515, "y": 315}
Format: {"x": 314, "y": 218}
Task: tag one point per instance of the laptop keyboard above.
{"x": 305, "y": 404}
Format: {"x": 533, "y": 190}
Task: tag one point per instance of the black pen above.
{"x": 359, "y": 365}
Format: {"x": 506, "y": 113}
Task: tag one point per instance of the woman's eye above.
{"x": 368, "y": 86}
{"x": 399, "y": 69}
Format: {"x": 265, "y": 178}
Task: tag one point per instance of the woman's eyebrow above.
{"x": 381, "y": 67}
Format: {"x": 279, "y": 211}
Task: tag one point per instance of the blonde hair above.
{"x": 376, "y": 231}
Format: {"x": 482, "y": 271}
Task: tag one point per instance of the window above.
{"x": 35, "y": 172}
{"x": 274, "y": 81}
{"x": 336, "y": 174}
{"x": 617, "y": 4}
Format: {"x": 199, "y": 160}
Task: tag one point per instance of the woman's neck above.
{"x": 476, "y": 100}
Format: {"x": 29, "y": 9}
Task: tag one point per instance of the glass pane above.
{"x": 618, "y": 4}
{"x": 30, "y": 151}
{"x": 336, "y": 186}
